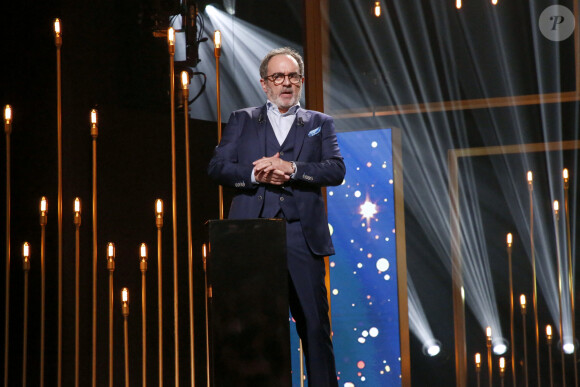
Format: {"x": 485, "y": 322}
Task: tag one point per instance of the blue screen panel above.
{"x": 363, "y": 273}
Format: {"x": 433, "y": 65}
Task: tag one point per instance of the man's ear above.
{"x": 263, "y": 83}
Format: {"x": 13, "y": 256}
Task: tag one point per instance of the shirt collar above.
{"x": 274, "y": 109}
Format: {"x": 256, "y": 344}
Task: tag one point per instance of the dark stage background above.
{"x": 112, "y": 62}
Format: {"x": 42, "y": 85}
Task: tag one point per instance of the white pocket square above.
{"x": 314, "y": 132}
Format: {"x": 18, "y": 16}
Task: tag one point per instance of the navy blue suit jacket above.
{"x": 318, "y": 164}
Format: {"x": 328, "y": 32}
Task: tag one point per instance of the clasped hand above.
{"x": 272, "y": 170}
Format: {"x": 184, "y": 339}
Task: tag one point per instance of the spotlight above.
{"x": 568, "y": 348}
{"x": 499, "y": 346}
{"x": 432, "y": 348}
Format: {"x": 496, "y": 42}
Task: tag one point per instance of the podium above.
{"x": 249, "y": 334}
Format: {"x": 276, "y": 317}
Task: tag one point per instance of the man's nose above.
{"x": 287, "y": 81}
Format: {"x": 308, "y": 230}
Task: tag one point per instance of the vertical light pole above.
{"x": 534, "y": 275}
{"x": 502, "y": 370}
{"x": 207, "y": 296}
{"x": 143, "y": 267}
{"x": 159, "y": 224}
{"x": 43, "y": 221}
{"x": 478, "y": 368}
{"x": 488, "y": 342}
{"x": 565, "y": 177}
{"x": 549, "y": 341}
{"x": 125, "y": 312}
{"x": 171, "y": 42}
{"x": 523, "y": 309}
{"x": 185, "y": 92}
{"x": 77, "y": 223}
{"x": 58, "y": 43}
{"x": 559, "y": 268}
{"x": 512, "y": 334}
{"x": 217, "y": 40}
{"x": 111, "y": 268}
{"x": 26, "y": 268}
{"x": 7, "y": 130}
{"x": 94, "y": 135}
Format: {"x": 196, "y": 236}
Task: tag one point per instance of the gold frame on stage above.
{"x": 456, "y": 259}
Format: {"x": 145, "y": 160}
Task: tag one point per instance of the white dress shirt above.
{"x": 281, "y": 123}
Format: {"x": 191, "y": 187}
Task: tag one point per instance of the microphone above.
{"x": 260, "y": 118}
{"x": 300, "y": 121}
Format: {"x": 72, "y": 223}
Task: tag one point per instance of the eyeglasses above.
{"x": 278, "y": 78}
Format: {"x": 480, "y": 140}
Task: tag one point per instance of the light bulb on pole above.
{"x": 7, "y": 130}
{"x": 478, "y": 368}
{"x": 94, "y": 124}
{"x": 43, "y": 211}
{"x": 185, "y": 80}
{"x": 111, "y": 256}
{"x": 8, "y": 119}
{"x": 125, "y": 301}
{"x": 26, "y": 256}
{"x": 217, "y": 40}
{"x": 185, "y": 87}
{"x": 377, "y": 8}
{"x": 185, "y": 93}
{"x": 57, "y": 33}
{"x": 458, "y": 4}
{"x": 77, "y": 208}
{"x": 58, "y": 45}
{"x": 171, "y": 47}
{"x": 94, "y": 135}
{"x": 143, "y": 255}
{"x": 171, "y": 40}
{"x": 159, "y": 213}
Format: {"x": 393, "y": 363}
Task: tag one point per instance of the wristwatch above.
{"x": 293, "y": 168}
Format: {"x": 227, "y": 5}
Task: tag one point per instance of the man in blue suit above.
{"x": 278, "y": 156}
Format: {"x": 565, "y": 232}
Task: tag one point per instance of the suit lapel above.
{"x": 261, "y": 124}
{"x": 301, "y": 124}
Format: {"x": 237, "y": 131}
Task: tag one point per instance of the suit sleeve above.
{"x": 327, "y": 168}
{"x": 225, "y": 167}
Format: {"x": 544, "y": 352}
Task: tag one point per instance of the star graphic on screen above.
{"x": 368, "y": 210}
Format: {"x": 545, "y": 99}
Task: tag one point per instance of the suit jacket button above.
{"x": 259, "y": 197}
{"x": 281, "y": 198}
{"x": 282, "y": 153}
